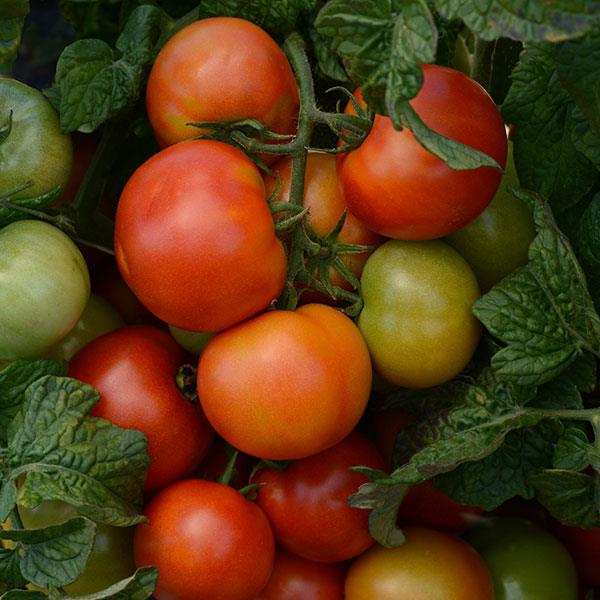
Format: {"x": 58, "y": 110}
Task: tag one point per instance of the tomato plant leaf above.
{"x": 10, "y": 38}
{"x": 137, "y": 587}
{"x": 542, "y": 311}
{"x": 328, "y": 62}
{"x": 23, "y": 595}
{"x": 14, "y": 380}
{"x": 569, "y": 496}
{"x": 10, "y": 571}
{"x": 585, "y": 139}
{"x": 560, "y": 393}
{"x": 572, "y": 450}
{"x": 578, "y": 68}
{"x": 55, "y": 555}
{"x": 88, "y": 462}
{"x": 582, "y": 373}
{"x": 8, "y": 498}
{"x": 542, "y": 111}
{"x": 93, "y": 83}
{"x": 525, "y": 20}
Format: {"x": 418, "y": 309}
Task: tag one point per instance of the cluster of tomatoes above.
{"x": 196, "y": 243}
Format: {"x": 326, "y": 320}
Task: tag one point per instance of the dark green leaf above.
{"x": 570, "y": 497}
{"x": 542, "y": 311}
{"x": 12, "y": 9}
{"x": 572, "y": 450}
{"x": 587, "y": 238}
{"x": 585, "y": 139}
{"x": 10, "y": 571}
{"x": 8, "y": 213}
{"x": 543, "y": 114}
{"x": 578, "y": 67}
{"x": 14, "y": 380}
{"x": 8, "y": 498}
{"x": 10, "y": 37}
{"x": 56, "y": 555}
{"x": 582, "y": 373}
{"x": 85, "y": 461}
{"x": 525, "y": 20}
{"x": 505, "y": 473}
{"x": 327, "y": 61}
{"x": 23, "y": 595}
{"x": 560, "y": 393}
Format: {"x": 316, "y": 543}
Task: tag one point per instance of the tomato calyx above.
{"x": 185, "y": 379}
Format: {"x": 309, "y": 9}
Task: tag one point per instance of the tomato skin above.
{"x": 45, "y": 287}
{"x": 111, "y": 558}
{"x": 417, "y": 317}
{"x": 207, "y": 541}
{"x": 196, "y": 213}
{"x": 220, "y": 69}
{"x": 497, "y": 241}
{"x": 35, "y": 149}
{"x": 133, "y": 369}
{"x": 430, "y": 565}
{"x": 324, "y": 200}
{"x": 309, "y": 368}
{"x": 526, "y": 562}
{"x": 307, "y": 503}
{"x": 399, "y": 189}
{"x": 192, "y": 341}
{"x": 295, "y": 578}
{"x": 584, "y": 547}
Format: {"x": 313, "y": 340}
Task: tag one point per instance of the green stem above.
{"x": 59, "y": 221}
{"x": 595, "y": 421}
{"x": 586, "y": 414}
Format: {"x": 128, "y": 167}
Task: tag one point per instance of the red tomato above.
{"x": 286, "y": 385}
{"x": 430, "y": 565}
{"x": 295, "y": 578}
{"x": 307, "y": 503}
{"x": 194, "y": 238}
{"x": 220, "y": 69}
{"x": 323, "y": 197}
{"x": 134, "y": 370}
{"x": 584, "y": 546}
{"x": 399, "y": 189}
{"x": 207, "y": 541}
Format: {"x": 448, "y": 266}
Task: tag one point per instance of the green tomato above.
{"x": 45, "y": 287}
{"x": 192, "y": 341}
{"x": 33, "y": 148}
{"x": 98, "y": 318}
{"x": 497, "y": 241}
{"x": 417, "y": 317}
{"x": 111, "y": 558}
{"x": 525, "y": 561}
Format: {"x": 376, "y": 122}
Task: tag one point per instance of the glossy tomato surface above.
{"x": 307, "y": 503}
{"x": 111, "y": 558}
{"x": 526, "y": 562}
{"x": 295, "y": 578}
{"x": 134, "y": 369}
{"x": 430, "y": 565}
{"x": 417, "y": 317}
{"x": 325, "y": 203}
{"x": 45, "y": 286}
{"x": 207, "y": 541}
{"x": 194, "y": 238}
{"x": 285, "y": 384}
{"x": 220, "y": 69}
{"x": 35, "y": 150}
{"x": 399, "y": 189}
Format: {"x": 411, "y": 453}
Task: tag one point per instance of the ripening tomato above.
{"x": 399, "y": 189}
{"x": 430, "y": 565}
{"x": 285, "y": 384}
{"x": 325, "y": 203}
{"x": 194, "y": 237}
{"x": 220, "y": 69}
{"x": 307, "y": 503}
{"x": 207, "y": 541}
{"x": 134, "y": 369}
{"x": 295, "y": 578}
{"x": 417, "y": 317}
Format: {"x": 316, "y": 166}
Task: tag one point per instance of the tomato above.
{"x": 133, "y": 369}
{"x": 286, "y": 385}
{"x": 497, "y": 241}
{"x": 417, "y": 318}
{"x": 34, "y": 150}
{"x": 98, "y": 318}
{"x": 324, "y": 200}
{"x": 207, "y": 541}
{"x": 399, "y": 189}
{"x": 220, "y": 69}
{"x": 194, "y": 238}
{"x": 430, "y": 565}
{"x": 192, "y": 341}
{"x": 111, "y": 558}
{"x": 295, "y": 578}
{"x": 584, "y": 546}
{"x": 526, "y": 562}
{"x": 45, "y": 287}
{"x": 307, "y": 503}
